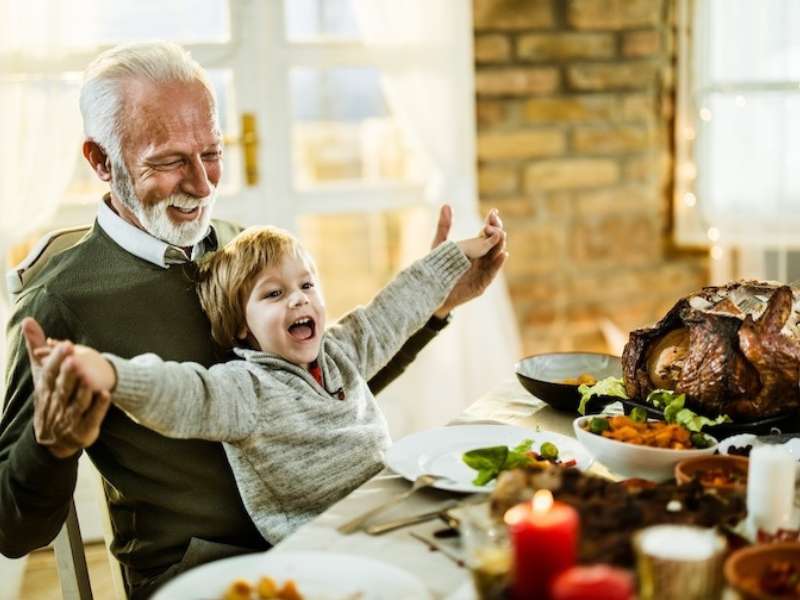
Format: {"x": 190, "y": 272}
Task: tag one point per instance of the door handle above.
{"x": 248, "y": 140}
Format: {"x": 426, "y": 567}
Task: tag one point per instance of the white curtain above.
{"x": 432, "y": 97}
{"x": 747, "y": 65}
{"x": 39, "y": 144}
{"x": 40, "y": 124}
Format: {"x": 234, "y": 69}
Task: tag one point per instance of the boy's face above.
{"x": 285, "y": 311}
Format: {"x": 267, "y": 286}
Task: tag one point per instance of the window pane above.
{"x": 370, "y": 249}
{"x": 749, "y": 151}
{"x": 343, "y": 129}
{"x": 90, "y": 23}
{"x": 320, "y": 19}
{"x": 753, "y": 40}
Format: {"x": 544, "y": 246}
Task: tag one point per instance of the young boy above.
{"x": 299, "y": 424}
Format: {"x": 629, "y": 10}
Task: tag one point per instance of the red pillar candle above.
{"x": 544, "y": 536}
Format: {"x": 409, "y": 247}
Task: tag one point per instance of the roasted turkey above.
{"x": 732, "y": 350}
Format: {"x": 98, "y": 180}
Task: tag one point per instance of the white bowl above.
{"x": 632, "y": 460}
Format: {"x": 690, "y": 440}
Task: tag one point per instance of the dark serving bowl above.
{"x": 543, "y": 375}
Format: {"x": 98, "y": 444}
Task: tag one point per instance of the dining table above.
{"x": 429, "y": 551}
{"x": 437, "y": 562}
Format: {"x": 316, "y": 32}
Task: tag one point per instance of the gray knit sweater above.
{"x": 295, "y": 447}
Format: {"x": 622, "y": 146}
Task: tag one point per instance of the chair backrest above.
{"x": 68, "y": 545}
{"x": 50, "y": 245}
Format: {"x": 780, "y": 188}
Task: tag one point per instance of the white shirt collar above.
{"x": 145, "y": 246}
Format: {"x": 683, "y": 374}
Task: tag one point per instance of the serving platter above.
{"x": 780, "y": 424}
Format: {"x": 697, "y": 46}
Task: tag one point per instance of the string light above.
{"x": 713, "y": 234}
{"x": 689, "y": 199}
{"x": 705, "y": 114}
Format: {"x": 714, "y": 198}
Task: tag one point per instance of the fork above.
{"x": 420, "y": 482}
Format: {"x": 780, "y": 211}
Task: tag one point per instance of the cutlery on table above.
{"x": 355, "y": 524}
{"x": 436, "y": 545}
{"x": 412, "y": 520}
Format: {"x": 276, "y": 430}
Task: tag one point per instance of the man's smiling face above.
{"x": 285, "y": 311}
{"x": 173, "y": 160}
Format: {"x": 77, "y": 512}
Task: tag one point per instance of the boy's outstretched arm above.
{"x": 180, "y": 400}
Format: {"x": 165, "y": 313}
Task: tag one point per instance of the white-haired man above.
{"x": 126, "y": 288}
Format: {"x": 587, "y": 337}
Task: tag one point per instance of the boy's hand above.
{"x": 67, "y": 415}
{"x": 483, "y": 270}
{"x": 95, "y": 369}
{"x": 89, "y": 365}
{"x": 477, "y": 247}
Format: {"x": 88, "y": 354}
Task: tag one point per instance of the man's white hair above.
{"x": 102, "y": 95}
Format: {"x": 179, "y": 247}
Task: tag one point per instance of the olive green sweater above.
{"x": 163, "y": 493}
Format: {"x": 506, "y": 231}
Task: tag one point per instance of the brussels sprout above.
{"x": 598, "y": 425}
{"x": 548, "y": 451}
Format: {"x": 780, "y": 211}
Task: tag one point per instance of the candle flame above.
{"x": 542, "y": 501}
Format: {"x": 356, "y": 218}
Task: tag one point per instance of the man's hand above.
{"x": 483, "y": 270}
{"x": 66, "y": 413}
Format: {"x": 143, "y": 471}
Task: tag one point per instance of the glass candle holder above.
{"x": 679, "y": 562}
{"x": 487, "y": 552}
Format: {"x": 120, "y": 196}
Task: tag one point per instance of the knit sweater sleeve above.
{"x": 186, "y": 400}
{"x": 372, "y": 334}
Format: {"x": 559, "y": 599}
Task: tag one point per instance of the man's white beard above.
{"x": 154, "y": 219}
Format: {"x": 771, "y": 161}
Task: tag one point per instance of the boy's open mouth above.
{"x": 303, "y": 328}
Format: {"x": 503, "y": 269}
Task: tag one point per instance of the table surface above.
{"x": 445, "y": 578}
{"x": 508, "y": 404}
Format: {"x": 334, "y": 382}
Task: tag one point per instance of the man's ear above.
{"x": 98, "y": 159}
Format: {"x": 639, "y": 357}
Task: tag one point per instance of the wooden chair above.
{"x": 68, "y": 545}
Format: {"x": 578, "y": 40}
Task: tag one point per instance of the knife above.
{"x": 413, "y": 520}
{"x": 436, "y": 545}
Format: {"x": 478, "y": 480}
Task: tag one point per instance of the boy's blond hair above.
{"x": 227, "y": 276}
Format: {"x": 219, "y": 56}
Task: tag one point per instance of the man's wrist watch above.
{"x": 438, "y": 324}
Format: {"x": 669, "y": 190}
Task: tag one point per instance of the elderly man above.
{"x": 151, "y": 133}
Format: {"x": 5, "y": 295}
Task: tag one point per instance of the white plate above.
{"x": 439, "y": 451}
{"x": 318, "y": 575}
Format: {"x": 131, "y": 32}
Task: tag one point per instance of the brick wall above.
{"x": 574, "y": 112}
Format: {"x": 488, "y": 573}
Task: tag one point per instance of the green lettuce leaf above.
{"x": 694, "y": 422}
{"x": 674, "y": 411}
{"x": 660, "y": 398}
{"x": 610, "y": 386}
{"x": 522, "y": 447}
{"x": 488, "y": 462}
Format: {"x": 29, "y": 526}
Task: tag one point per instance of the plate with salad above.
{"x": 468, "y": 458}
